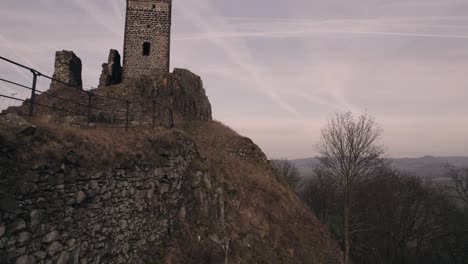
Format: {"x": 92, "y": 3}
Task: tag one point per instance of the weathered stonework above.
{"x": 179, "y": 197}
{"x": 182, "y": 91}
{"x": 68, "y": 68}
{"x": 147, "y": 38}
{"x": 112, "y": 70}
{"x": 64, "y": 212}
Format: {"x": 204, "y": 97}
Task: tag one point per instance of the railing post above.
{"x": 154, "y": 111}
{"x": 89, "y": 108}
{"x": 126, "y": 120}
{"x": 33, "y": 93}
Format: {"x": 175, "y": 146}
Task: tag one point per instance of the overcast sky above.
{"x": 275, "y": 71}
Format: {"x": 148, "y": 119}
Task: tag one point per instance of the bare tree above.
{"x": 349, "y": 155}
{"x": 287, "y": 171}
{"x": 460, "y": 181}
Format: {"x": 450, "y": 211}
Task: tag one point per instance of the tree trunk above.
{"x": 346, "y": 232}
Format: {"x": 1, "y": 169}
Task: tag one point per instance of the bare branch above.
{"x": 349, "y": 156}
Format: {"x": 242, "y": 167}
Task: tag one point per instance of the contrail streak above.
{"x": 393, "y": 20}
{"x": 398, "y": 34}
{"x": 118, "y": 8}
{"x": 319, "y": 100}
{"x": 240, "y": 56}
{"x": 14, "y": 67}
{"x": 93, "y": 11}
{"x": 308, "y": 33}
{"x": 9, "y": 45}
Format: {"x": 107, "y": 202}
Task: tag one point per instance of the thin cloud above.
{"x": 373, "y": 21}
{"x": 402, "y": 61}
{"x": 95, "y": 12}
{"x": 118, "y": 8}
{"x": 238, "y": 54}
{"x": 320, "y": 101}
{"x": 303, "y": 28}
{"x": 10, "y": 45}
{"x": 307, "y": 33}
{"x": 16, "y": 56}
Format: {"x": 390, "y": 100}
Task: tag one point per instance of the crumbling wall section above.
{"x": 68, "y": 68}
{"x": 112, "y": 70}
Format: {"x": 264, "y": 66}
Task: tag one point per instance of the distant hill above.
{"x": 427, "y": 166}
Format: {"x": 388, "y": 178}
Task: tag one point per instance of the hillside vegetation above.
{"x": 425, "y": 167}
{"x": 264, "y": 221}
{"x": 233, "y": 209}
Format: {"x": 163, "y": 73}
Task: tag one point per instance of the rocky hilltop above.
{"x": 197, "y": 193}
{"x": 182, "y": 91}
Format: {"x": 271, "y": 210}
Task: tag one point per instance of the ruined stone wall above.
{"x": 147, "y": 21}
{"x": 112, "y": 70}
{"x": 65, "y": 213}
{"x": 68, "y": 68}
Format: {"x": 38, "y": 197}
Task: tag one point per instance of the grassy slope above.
{"x": 52, "y": 142}
{"x": 265, "y": 221}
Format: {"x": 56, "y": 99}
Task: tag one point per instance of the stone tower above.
{"x": 147, "y": 38}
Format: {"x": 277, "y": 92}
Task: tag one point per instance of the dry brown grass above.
{"x": 259, "y": 209}
{"x": 54, "y": 141}
{"x": 268, "y": 209}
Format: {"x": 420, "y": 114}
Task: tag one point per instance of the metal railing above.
{"x": 93, "y": 111}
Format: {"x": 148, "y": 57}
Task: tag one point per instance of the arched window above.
{"x": 146, "y": 48}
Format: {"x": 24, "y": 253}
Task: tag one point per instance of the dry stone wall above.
{"x": 66, "y": 213}
{"x": 147, "y": 21}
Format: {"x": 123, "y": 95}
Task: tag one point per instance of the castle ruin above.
{"x": 147, "y": 38}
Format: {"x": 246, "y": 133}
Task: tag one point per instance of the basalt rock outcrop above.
{"x": 182, "y": 90}
{"x": 190, "y": 98}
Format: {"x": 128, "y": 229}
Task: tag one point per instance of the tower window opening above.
{"x": 146, "y": 48}
{"x": 154, "y": 6}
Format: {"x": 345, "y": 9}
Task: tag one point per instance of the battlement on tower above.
{"x": 147, "y": 38}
